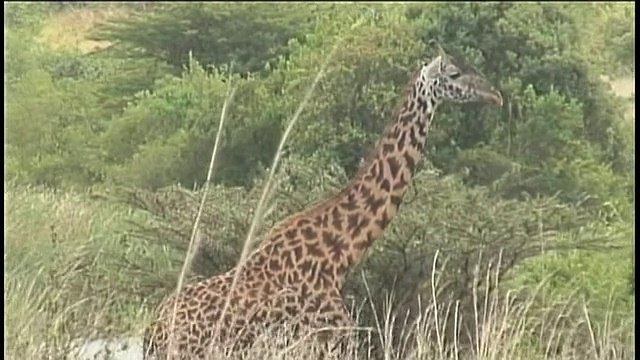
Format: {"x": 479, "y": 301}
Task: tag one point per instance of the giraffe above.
{"x": 296, "y": 275}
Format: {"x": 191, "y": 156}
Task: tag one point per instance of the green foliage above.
{"x": 608, "y": 35}
{"x": 20, "y": 48}
{"x": 247, "y": 35}
{"x": 46, "y": 130}
{"x": 167, "y": 136}
{"x": 24, "y": 16}
{"x": 557, "y": 110}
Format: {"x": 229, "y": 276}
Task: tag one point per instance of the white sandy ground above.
{"x": 118, "y": 349}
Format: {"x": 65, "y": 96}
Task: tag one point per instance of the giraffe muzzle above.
{"x": 493, "y": 97}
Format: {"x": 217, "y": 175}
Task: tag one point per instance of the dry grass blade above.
{"x": 194, "y": 241}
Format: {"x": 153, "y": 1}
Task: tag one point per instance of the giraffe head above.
{"x": 446, "y": 79}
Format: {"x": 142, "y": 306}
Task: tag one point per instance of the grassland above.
{"x": 70, "y": 273}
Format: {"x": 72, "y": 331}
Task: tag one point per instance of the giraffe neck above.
{"x": 372, "y": 198}
{"x": 320, "y": 244}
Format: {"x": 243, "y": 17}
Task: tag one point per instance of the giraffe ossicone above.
{"x": 296, "y": 274}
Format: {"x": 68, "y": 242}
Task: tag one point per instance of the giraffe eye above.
{"x": 454, "y": 75}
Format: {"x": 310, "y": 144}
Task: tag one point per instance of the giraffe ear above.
{"x": 440, "y": 51}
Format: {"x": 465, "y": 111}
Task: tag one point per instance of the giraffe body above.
{"x": 296, "y": 275}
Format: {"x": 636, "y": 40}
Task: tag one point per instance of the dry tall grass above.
{"x": 60, "y": 285}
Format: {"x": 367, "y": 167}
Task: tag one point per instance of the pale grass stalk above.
{"x": 596, "y": 347}
{"x": 486, "y": 312}
{"x": 556, "y": 327}
{"x": 435, "y": 301}
{"x": 420, "y": 327}
{"x": 260, "y": 208}
{"x": 503, "y": 326}
{"x": 445, "y": 324}
{"x": 456, "y": 348}
{"x": 194, "y": 242}
{"x": 474, "y": 294}
{"x": 375, "y": 313}
{"x": 405, "y": 336}
{"x": 389, "y": 320}
{"x": 313, "y": 332}
{"x": 30, "y": 293}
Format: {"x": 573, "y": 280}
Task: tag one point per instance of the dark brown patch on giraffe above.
{"x": 315, "y": 250}
{"x": 342, "y": 269}
{"x": 400, "y": 184}
{"x": 407, "y": 117}
{"x": 322, "y": 220}
{"x": 252, "y": 293}
{"x": 335, "y": 243}
{"x": 308, "y": 233}
{"x": 396, "y": 200}
{"x": 385, "y": 185}
{"x": 413, "y": 139}
{"x": 306, "y": 266}
{"x": 374, "y": 204}
{"x": 274, "y": 265}
{"x": 394, "y": 166}
{"x": 352, "y": 220}
{"x": 291, "y": 233}
{"x": 336, "y": 219}
{"x": 410, "y": 161}
{"x": 411, "y": 105}
{"x": 383, "y": 221}
{"x": 297, "y": 253}
{"x": 361, "y": 224}
{"x": 260, "y": 260}
{"x": 293, "y": 277}
{"x": 288, "y": 261}
{"x": 303, "y": 222}
{"x": 422, "y": 105}
{"x": 291, "y": 310}
{"x": 350, "y": 204}
{"x": 388, "y": 148}
{"x": 422, "y": 131}
{"x": 266, "y": 288}
{"x": 325, "y": 280}
{"x": 304, "y": 290}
